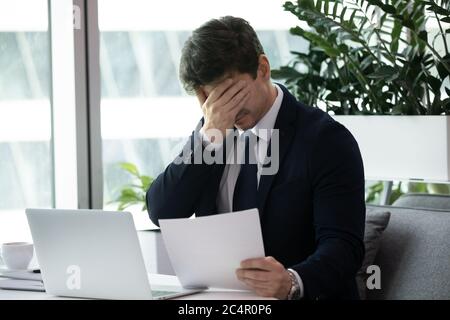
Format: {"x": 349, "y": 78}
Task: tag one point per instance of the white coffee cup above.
{"x": 17, "y": 255}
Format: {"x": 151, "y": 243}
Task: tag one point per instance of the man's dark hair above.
{"x": 219, "y": 46}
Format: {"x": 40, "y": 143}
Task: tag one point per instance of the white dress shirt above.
{"x": 231, "y": 171}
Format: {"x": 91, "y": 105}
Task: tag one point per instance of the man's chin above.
{"x": 244, "y": 124}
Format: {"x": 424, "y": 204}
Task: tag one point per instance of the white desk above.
{"x": 155, "y": 279}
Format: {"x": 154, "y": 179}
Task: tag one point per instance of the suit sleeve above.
{"x": 337, "y": 176}
{"x": 175, "y": 192}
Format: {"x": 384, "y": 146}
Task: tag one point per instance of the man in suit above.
{"x": 312, "y": 208}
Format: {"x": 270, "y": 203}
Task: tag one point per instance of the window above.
{"x": 37, "y": 111}
{"x": 25, "y": 112}
{"x": 145, "y": 113}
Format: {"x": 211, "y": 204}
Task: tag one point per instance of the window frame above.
{"x": 88, "y": 91}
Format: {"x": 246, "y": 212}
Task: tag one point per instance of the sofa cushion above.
{"x": 424, "y": 201}
{"x": 414, "y": 255}
{"x": 376, "y": 221}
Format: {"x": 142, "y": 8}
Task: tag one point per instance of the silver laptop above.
{"x": 92, "y": 254}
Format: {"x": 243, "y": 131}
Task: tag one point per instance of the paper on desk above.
{"x": 21, "y": 275}
{"x": 26, "y": 285}
{"x": 206, "y": 251}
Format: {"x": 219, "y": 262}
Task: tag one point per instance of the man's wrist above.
{"x": 295, "y": 293}
{"x": 211, "y": 137}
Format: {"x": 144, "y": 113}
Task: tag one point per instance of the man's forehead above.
{"x": 218, "y": 81}
{"x": 232, "y": 75}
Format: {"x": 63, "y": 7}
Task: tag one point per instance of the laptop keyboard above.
{"x": 160, "y": 293}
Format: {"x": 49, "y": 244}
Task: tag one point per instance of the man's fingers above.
{"x": 234, "y": 110}
{"x": 255, "y": 284}
{"x": 232, "y": 91}
{"x": 201, "y": 96}
{"x": 217, "y": 92}
{"x": 264, "y": 293}
{"x": 237, "y": 109}
{"x": 253, "y": 274}
{"x": 258, "y": 263}
{"x": 238, "y": 100}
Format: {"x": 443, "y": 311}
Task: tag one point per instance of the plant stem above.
{"x": 436, "y": 54}
{"x": 360, "y": 76}
{"x": 341, "y": 77}
{"x": 427, "y": 91}
{"x": 377, "y": 33}
{"x": 442, "y": 33}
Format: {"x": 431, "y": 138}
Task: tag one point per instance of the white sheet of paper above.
{"x": 27, "y": 285}
{"x": 206, "y": 251}
{"x": 21, "y": 275}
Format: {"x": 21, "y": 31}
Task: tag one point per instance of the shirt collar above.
{"x": 263, "y": 129}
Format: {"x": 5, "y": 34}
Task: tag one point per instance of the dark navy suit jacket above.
{"x": 312, "y": 211}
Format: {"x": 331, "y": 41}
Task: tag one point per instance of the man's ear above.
{"x": 263, "y": 67}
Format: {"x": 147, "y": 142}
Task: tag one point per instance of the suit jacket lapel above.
{"x": 209, "y": 204}
{"x": 285, "y": 123}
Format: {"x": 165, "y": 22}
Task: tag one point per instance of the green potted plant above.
{"x": 379, "y": 58}
{"x": 133, "y": 194}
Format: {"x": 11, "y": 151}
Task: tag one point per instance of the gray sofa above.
{"x": 414, "y": 255}
{"x": 424, "y": 201}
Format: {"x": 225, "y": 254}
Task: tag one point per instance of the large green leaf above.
{"x": 395, "y": 35}
{"x": 134, "y": 192}
{"x": 435, "y": 83}
{"x": 442, "y": 70}
{"x": 130, "y": 168}
{"x": 423, "y": 35}
{"x": 317, "y": 40}
{"x": 387, "y": 73}
{"x": 285, "y": 72}
{"x": 128, "y": 193}
{"x": 433, "y": 7}
{"x": 146, "y": 182}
